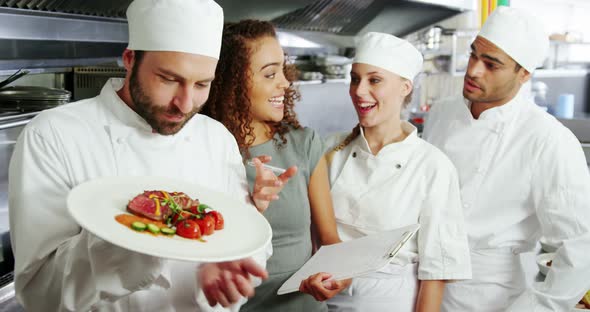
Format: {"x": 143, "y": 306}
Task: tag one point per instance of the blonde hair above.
{"x": 357, "y": 129}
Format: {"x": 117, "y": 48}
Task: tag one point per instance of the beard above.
{"x": 149, "y": 111}
{"x": 498, "y": 92}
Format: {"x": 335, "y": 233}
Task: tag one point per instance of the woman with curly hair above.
{"x": 253, "y": 97}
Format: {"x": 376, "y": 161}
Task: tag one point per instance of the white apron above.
{"x": 395, "y": 288}
{"x": 405, "y": 183}
{"x": 498, "y": 279}
{"x": 363, "y": 206}
{"x": 523, "y": 175}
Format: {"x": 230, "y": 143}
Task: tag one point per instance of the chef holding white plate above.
{"x": 145, "y": 124}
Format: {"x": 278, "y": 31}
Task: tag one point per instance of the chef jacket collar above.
{"x": 500, "y": 113}
{"x": 120, "y": 109}
{"x": 411, "y": 139}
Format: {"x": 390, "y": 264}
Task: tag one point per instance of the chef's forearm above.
{"x": 430, "y": 296}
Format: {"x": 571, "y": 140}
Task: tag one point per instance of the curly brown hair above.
{"x": 228, "y": 100}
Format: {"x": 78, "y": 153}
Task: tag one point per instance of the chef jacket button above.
{"x": 398, "y": 166}
{"x": 353, "y": 154}
{"x": 465, "y": 205}
{"x": 120, "y": 140}
{"x": 188, "y": 139}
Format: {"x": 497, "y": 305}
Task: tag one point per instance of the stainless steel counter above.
{"x": 11, "y": 125}
{"x": 8, "y": 302}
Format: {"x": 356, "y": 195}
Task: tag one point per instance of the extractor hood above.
{"x": 59, "y": 32}
{"x": 350, "y": 17}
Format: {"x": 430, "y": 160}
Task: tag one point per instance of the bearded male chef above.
{"x": 522, "y": 173}
{"x": 146, "y": 124}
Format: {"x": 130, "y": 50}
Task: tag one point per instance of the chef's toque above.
{"x": 190, "y": 26}
{"x": 519, "y": 34}
{"x": 390, "y": 53}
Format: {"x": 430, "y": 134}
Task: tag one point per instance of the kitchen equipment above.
{"x": 89, "y": 80}
{"x": 539, "y": 92}
{"x": 30, "y": 98}
{"x": 11, "y": 124}
{"x": 333, "y": 66}
{"x": 565, "y": 106}
{"x": 19, "y": 73}
{"x": 431, "y": 38}
{"x": 308, "y": 75}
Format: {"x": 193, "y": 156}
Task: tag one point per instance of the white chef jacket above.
{"x": 405, "y": 183}
{"x": 523, "y": 175}
{"x": 59, "y": 266}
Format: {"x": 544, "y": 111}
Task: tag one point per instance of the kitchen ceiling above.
{"x": 76, "y": 27}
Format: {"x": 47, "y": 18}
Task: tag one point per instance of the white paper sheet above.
{"x": 352, "y": 258}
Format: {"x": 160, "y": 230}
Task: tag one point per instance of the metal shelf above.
{"x": 551, "y": 73}
{"x": 19, "y": 24}
{"x": 316, "y": 82}
{"x": 38, "y": 39}
{"x": 49, "y": 70}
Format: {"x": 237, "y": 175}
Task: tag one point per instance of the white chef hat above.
{"x": 519, "y": 34}
{"x": 390, "y": 53}
{"x": 190, "y": 26}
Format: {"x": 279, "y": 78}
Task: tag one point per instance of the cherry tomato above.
{"x": 207, "y": 224}
{"x": 176, "y": 218}
{"x": 194, "y": 209}
{"x": 188, "y": 229}
{"x": 218, "y": 219}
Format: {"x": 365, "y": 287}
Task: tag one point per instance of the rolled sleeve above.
{"x": 442, "y": 240}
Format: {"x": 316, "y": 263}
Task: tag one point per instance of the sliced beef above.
{"x": 184, "y": 201}
{"x": 143, "y": 205}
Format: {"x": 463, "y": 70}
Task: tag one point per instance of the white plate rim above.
{"x": 542, "y": 259}
{"x": 546, "y": 246}
{"x": 144, "y": 182}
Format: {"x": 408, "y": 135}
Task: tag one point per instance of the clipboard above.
{"x": 353, "y": 258}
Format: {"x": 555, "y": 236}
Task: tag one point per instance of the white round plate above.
{"x": 546, "y": 246}
{"x": 95, "y": 204}
{"x": 542, "y": 262}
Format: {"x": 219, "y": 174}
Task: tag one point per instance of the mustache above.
{"x": 172, "y": 111}
{"x": 473, "y": 82}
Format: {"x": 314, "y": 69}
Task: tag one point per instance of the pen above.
{"x": 406, "y": 237}
{"x": 276, "y": 170}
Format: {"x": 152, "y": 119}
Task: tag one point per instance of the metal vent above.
{"x": 6, "y": 279}
{"x": 108, "y": 8}
{"x": 346, "y": 17}
{"x": 88, "y": 81}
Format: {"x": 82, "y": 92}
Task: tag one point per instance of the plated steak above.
{"x": 167, "y": 213}
{"x": 154, "y": 205}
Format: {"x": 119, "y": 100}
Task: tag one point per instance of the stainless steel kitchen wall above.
{"x": 326, "y": 107}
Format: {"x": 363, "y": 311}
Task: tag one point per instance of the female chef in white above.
{"x": 384, "y": 176}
